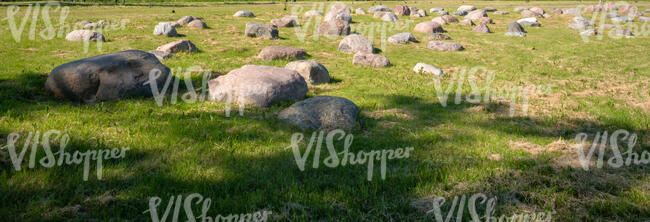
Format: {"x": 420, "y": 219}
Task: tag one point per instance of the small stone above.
{"x": 370, "y": 59}
{"x": 444, "y": 46}
{"x": 85, "y": 35}
{"x": 402, "y": 38}
{"x": 178, "y": 46}
{"x": 286, "y": 21}
{"x": 437, "y": 36}
{"x": 281, "y": 52}
{"x": 244, "y": 13}
{"x": 429, "y": 27}
{"x": 197, "y": 24}
{"x": 254, "y": 29}
{"x": 426, "y": 68}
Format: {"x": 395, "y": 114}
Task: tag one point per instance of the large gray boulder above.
{"x": 244, "y": 13}
{"x": 85, "y": 35}
{"x": 178, "y": 46}
{"x": 444, "y": 46}
{"x": 369, "y": 59}
{"x": 322, "y": 113}
{"x": 355, "y": 43}
{"x": 258, "y": 86}
{"x": 312, "y": 71}
{"x": 107, "y": 77}
{"x": 402, "y": 38}
{"x": 258, "y": 30}
{"x": 532, "y": 21}
{"x": 281, "y": 52}
{"x": 165, "y": 29}
{"x": 197, "y": 24}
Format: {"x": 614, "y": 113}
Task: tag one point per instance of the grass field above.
{"x": 242, "y": 164}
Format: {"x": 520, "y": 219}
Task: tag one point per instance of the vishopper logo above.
{"x": 345, "y": 157}
{"x": 475, "y": 201}
{"x": 617, "y": 159}
{"x": 622, "y": 22}
{"x": 200, "y": 93}
{"x": 33, "y": 13}
{"x": 50, "y": 160}
{"x": 370, "y": 30}
{"x": 186, "y": 203}
{"x": 486, "y": 93}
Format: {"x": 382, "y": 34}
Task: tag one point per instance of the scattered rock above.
{"x": 426, "y": 68}
{"x": 459, "y": 13}
{"x": 379, "y": 14}
{"x": 623, "y": 32}
{"x": 520, "y": 8}
{"x": 571, "y": 11}
{"x": 466, "y": 22}
{"x": 254, "y": 29}
{"x": 402, "y": 38}
{"x": 589, "y": 32}
{"x": 515, "y": 27}
{"x": 312, "y": 13}
{"x": 581, "y": 23}
{"x": 439, "y": 20}
{"x": 334, "y": 28}
{"x": 485, "y": 20}
{"x": 341, "y": 7}
{"x": 537, "y": 10}
{"x": 622, "y": 19}
{"x": 360, "y": 11}
{"x": 528, "y": 13}
{"x": 106, "y": 77}
{"x": 286, "y": 21}
{"x": 607, "y": 26}
{"x": 432, "y": 10}
{"x": 178, "y": 46}
{"x": 547, "y": 15}
{"x": 445, "y": 13}
{"x": 244, "y": 13}
{"x": 160, "y": 54}
{"x": 444, "y": 46}
{"x": 402, "y": 10}
{"x": 389, "y": 17}
{"x": 476, "y": 15}
{"x": 482, "y": 28}
{"x": 197, "y": 24}
{"x": 644, "y": 19}
{"x": 355, "y": 43}
{"x": 467, "y": 8}
{"x": 501, "y": 13}
{"x": 379, "y": 8}
{"x": 490, "y": 9}
{"x": 82, "y": 23}
{"x": 556, "y": 11}
{"x": 428, "y": 27}
{"x": 187, "y": 19}
{"x": 259, "y": 86}
{"x": 611, "y": 15}
{"x": 85, "y": 35}
{"x": 92, "y": 26}
{"x": 338, "y": 15}
{"x": 281, "y": 52}
{"x": 312, "y": 71}
{"x": 370, "y": 59}
{"x": 438, "y": 36}
{"x": 518, "y": 34}
{"x": 450, "y": 19}
{"x": 322, "y": 113}
{"x": 529, "y": 22}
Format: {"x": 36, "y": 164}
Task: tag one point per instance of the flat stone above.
{"x": 178, "y": 46}
{"x": 322, "y": 113}
{"x": 437, "y": 36}
{"x": 426, "y": 68}
{"x": 370, "y": 59}
{"x": 281, "y": 52}
{"x": 244, "y": 13}
{"x": 402, "y": 38}
{"x": 444, "y": 46}
{"x": 85, "y": 35}
{"x": 107, "y": 77}
{"x": 258, "y": 86}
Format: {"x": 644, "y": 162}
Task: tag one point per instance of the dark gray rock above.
{"x": 254, "y": 29}
{"x": 107, "y": 77}
{"x": 281, "y": 52}
{"x": 322, "y": 113}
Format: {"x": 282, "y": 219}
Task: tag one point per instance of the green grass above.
{"x": 241, "y": 162}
